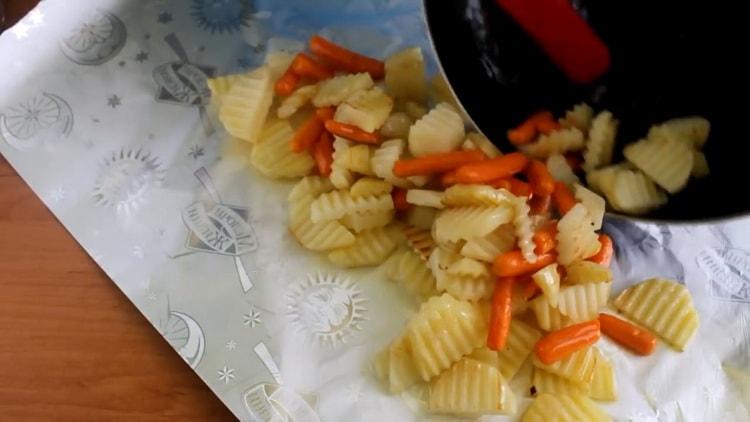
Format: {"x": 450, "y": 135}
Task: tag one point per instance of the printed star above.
{"x": 147, "y": 37}
{"x": 231, "y": 345}
{"x": 114, "y": 101}
{"x": 354, "y": 392}
{"x": 244, "y": 63}
{"x": 226, "y": 374}
{"x": 122, "y": 63}
{"x": 164, "y": 17}
{"x": 57, "y": 195}
{"x": 138, "y": 251}
{"x": 196, "y": 152}
{"x": 252, "y": 318}
{"x": 150, "y": 295}
{"x": 36, "y": 17}
{"x": 20, "y": 30}
{"x": 201, "y": 48}
{"x": 150, "y": 136}
{"x": 141, "y": 57}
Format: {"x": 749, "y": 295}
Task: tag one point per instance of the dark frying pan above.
{"x": 669, "y": 59}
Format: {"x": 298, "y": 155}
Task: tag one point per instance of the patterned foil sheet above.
{"x": 106, "y": 114}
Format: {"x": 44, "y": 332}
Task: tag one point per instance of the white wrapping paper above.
{"x": 105, "y": 113}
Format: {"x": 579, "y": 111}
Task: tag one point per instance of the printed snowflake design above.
{"x": 226, "y": 374}
{"x": 353, "y": 391}
{"x": 138, "y": 251}
{"x": 231, "y": 345}
{"x": 164, "y": 17}
{"x": 121, "y": 63}
{"x": 114, "y": 101}
{"x": 36, "y": 17}
{"x": 56, "y": 195}
{"x": 20, "y": 30}
{"x": 33, "y": 20}
{"x": 141, "y": 57}
{"x": 252, "y": 318}
{"x": 150, "y": 295}
{"x": 221, "y": 15}
{"x": 196, "y": 151}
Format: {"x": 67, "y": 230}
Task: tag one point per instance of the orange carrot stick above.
{"x": 352, "y": 132}
{"x": 560, "y": 344}
{"x": 512, "y": 263}
{"x": 345, "y": 59}
{"x": 607, "y": 249}
{"x": 539, "y": 204}
{"x": 513, "y": 185}
{"x": 547, "y": 126}
{"x": 635, "y": 338}
{"x": 530, "y": 289}
{"x": 324, "y": 113}
{"x": 526, "y": 131}
{"x": 287, "y": 83}
{"x": 435, "y": 163}
{"x": 541, "y": 180}
{"x": 399, "y": 200}
{"x": 323, "y": 153}
{"x": 489, "y": 170}
{"x": 448, "y": 178}
{"x": 307, "y": 134}
{"x": 545, "y": 238}
{"x": 563, "y": 198}
{"x": 304, "y": 65}
{"x": 500, "y": 313}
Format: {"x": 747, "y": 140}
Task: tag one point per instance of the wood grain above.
{"x": 72, "y": 347}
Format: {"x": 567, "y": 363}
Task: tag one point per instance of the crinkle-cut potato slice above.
{"x": 521, "y": 340}
{"x": 323, "y": 236}
{"x": 603, "y": 386}
{"x": 221, "y": 85}
{"x": 544, "y": 382}
{"x": 340, "y": 176}
{"x": 335, "y": 90}
{"x": 548, "y": 280}
{"x": 461, "y": 195}
{"x": 468, "y": 267}
{"x": 560, "y": 169}
{"x": 693, "y": 130}
{"x": 443, "y": 331}
{"x": 396, "y": 126}
{"x": 296, "y": 100}
{"x": 366, "y": 109}
{"x": 412, "y": 273}
{"x": 595, "y": 205}
{"x": 547, "y": 317}
{"x": 486, "y": 356}
{"x": 454, "y": 224}
{"x": 336, "y": 204}
{"x": 278, "y": 62}
{"x": 361, "y": 221}
{"x": 664, "y": 307}
{"x": 421, "y": 217}
{"x": 577, "y": 367}
{"x": 385, "y": 157}
{"x": 524, "y": 230}
{"x": 273, "y": 158}
{"x": 470, "y": 388}
{"x": 487, "y": 248}
{"x": 580, "y": 272}
{"x": 700, "y": 165}
{"x": 580, "y": 116}
{"x": 603, "y": 180}
{"x": 419, "y": 240}
{"x": 370, "y": 186}
{"x": 576, "y": 238}
{"x": 414, "y": 109}
{"x": 559, "y": 141}
{"x": 483, "y": 144}
{"x": 569, "y": 407}
{"x": 371, "y": 247}
{"x": 440, "y": 130}
{"x": 633, "y": 192}
{"x": 309, "y": 185}
{"x": 245, "y": 107}
{"x": 581, "y": 302}
{"x": 601, "y": 142}
{"x": 666, "y": 161}
{"x": 425, "y": 198}
{"x": 394, "y": 366}
{"x": 466, "y": 287}
{"x": 405, "y": 74}
{"x": 356, "y": 158}
{"x": 299, "y": 211}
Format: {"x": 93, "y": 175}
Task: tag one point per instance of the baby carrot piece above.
{"x": 540, "y": 179}
{"x": 493, "y": 169}
{"x": 324, "y": 113}
{"x": 560, "y": 344}
{"x": 307, "y": 134}
{"x": 563, "y": 198}
{"x": 435, "y": 163}
{"x": 544, "y": 238}
{"x": 607, "y": 249}
{"x": 345, "y": 59}
{"x": 513, "y": 185}
{"x": 626, "y": 334}
{"x": 448, "y": 178}
{"x": 323, "y": 153}
{"x": 530, "y": 289}
{"x": 351, "y": 132}
{"x": 304, "y": 65}
{"x": 512, "y": 263}
{"x": 539, "y": 204}
{"x": 526, "y": 131}
{"x": 399, "y": 200}
{"x": 547, "y": 126}
{"x": 500, "y": 313}
{"x": 287, "y": 83}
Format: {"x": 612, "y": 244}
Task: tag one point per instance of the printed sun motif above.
{"x": 221, "y": 15}
{"x": 326, "y": 308}
{"x": 125, "y": 178}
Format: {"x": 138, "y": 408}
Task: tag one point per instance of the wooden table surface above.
{"x": 72, "y": 347}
